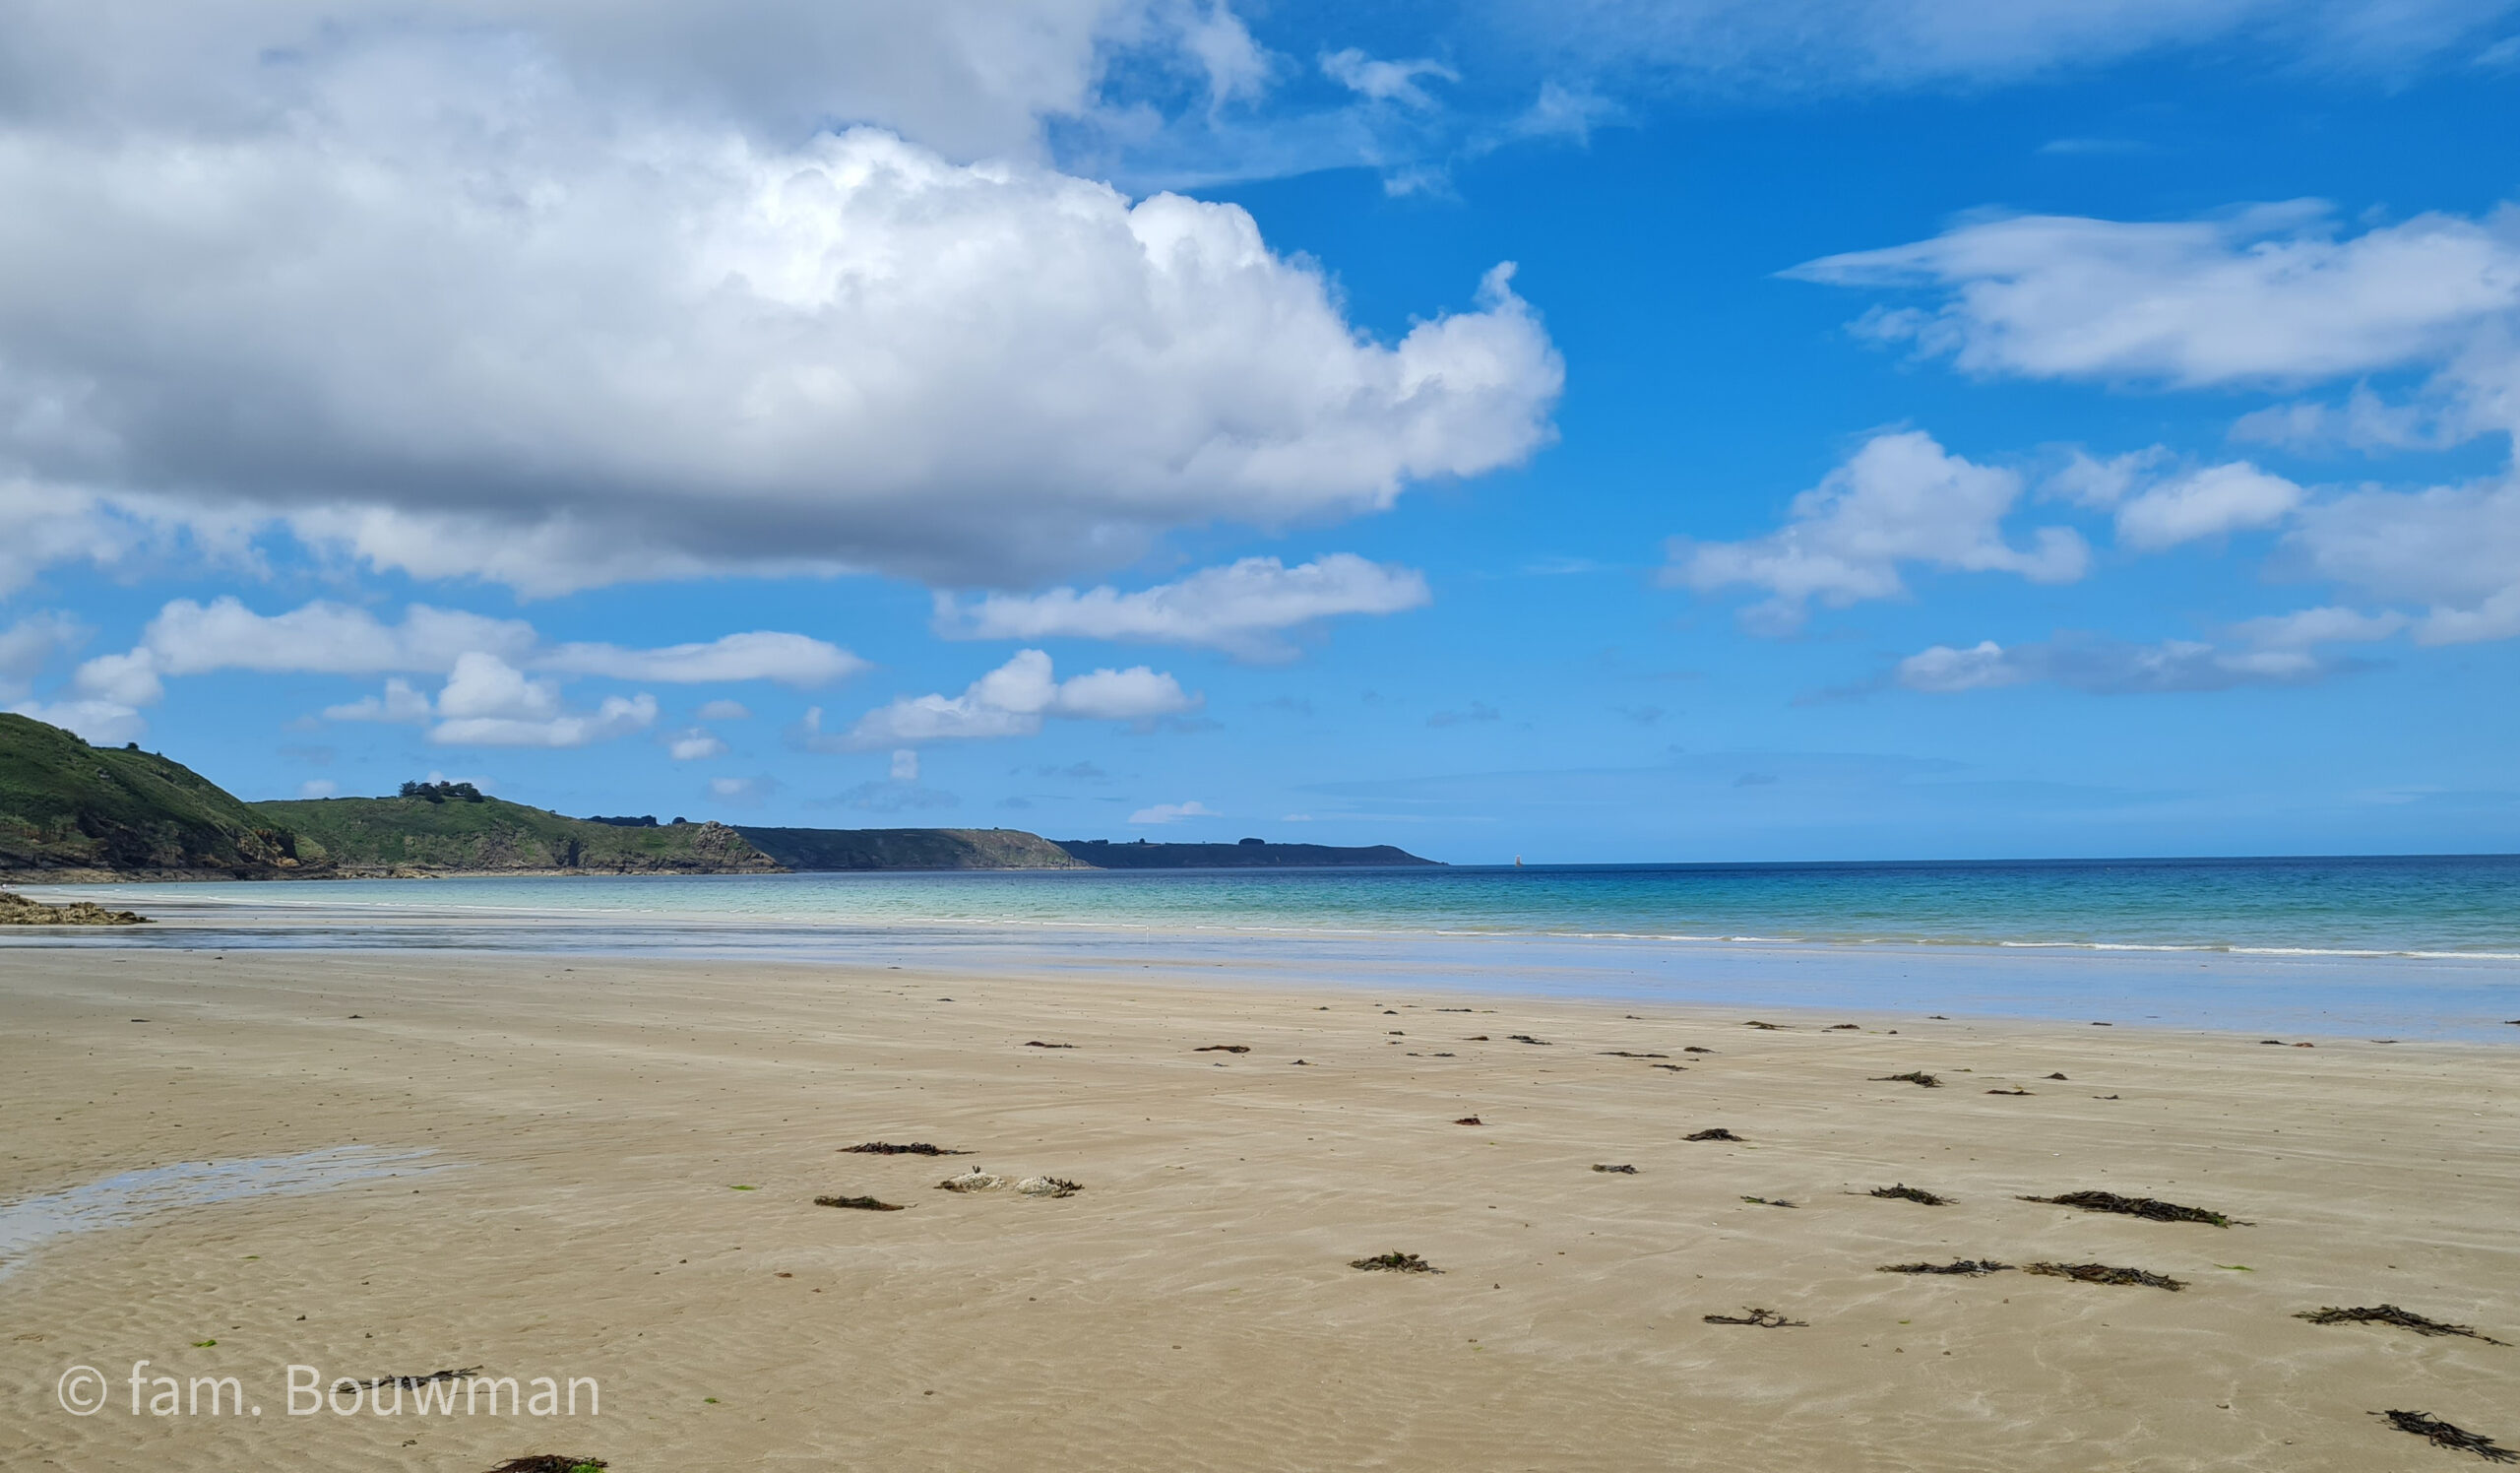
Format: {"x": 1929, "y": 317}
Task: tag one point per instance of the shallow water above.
{"x": 124, "y": 1198}
{"x": 2424, "y": 947}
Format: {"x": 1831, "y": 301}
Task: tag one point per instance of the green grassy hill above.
{"x": 402, "y": 835}
{"x": 1250, "y": 853}
{"x": 910, "y": 849}
{"x": 66, "y": 805}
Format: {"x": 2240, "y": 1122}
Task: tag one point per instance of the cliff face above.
{"x": 909, "y": 849}
{"x": 68, "y": 806}
{"x": 370, "y": 835}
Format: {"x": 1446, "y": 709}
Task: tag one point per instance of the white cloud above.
{"x": 723, "y": 711}
{"x": 488, "y": 702}
{"x": 2364, "y": 422}
{"x": 644, "y": 324}
{"x": 485, "y": 686}
{"x": 398, "y": 703}
{"x": 2263, "y": 294}
{"x": 2210, "y": 503}
{"x": 324, "y": 638}
{"x": 1244, "y": 609}
{"x": 2328, "y": 624}
{"x": 104, "y": 723}
{"x": 1983, "y": 665}
{"x": 618, "y": 716}
{"x": 789, "y": 659}
{"x": 2455, "y": 550}
{"x": 129, "y": 680}
{"x": 1010, "y": 701}
{"x": 1173, "y": 813}
{"x": 1901, "y": 498}
{"x": 1384, "y": 80}
{"x": 694, "y": 744}
{"x": 2105, "y": 666}
{"x": 29, "y": 644}
{"x": 906, "y": 765}
{"x": 318, "y": 787}
{"x": 187, "y": 638}
{"x": 744, "y": 792}
{"x": 2103, "y": 483}
{"x": 484, "y": 658}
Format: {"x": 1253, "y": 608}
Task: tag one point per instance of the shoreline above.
{"x": 590, "y": 1120}
{"x": 2439, "y": 996}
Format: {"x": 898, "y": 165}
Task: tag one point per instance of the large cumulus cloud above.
{"x": 491, "y": 304}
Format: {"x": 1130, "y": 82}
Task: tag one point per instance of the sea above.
{"x": 2413, "y": 948}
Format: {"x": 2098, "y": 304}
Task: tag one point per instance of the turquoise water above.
{"x": 2460, "y": 906}
{"x": 2400, "y": 947}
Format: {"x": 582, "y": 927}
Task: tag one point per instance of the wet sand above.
{"x": 1193, "y": 1308}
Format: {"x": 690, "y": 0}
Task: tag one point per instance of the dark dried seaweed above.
{"x": 1913, "y": 1076}
{"x": 866, "y": 1204}
{"x": 1395, "y": 1264}
{"x": 1718, "y": 1133}
{"x": 1973, "y": 1267}
{"x": 1907, "y": 1194}
{"x": 420, "y": 1380}
{"x": 2151, "y": 1209}
{"x": 2441, "y": 1434}
{"x": 2392, "y": 1314}
{"x": 914, "y": 1148}
{"x": 1766, "y": 1319}
{"x": 2101, "y": 1273}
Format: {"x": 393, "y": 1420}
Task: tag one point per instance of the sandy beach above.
{"x": 622, "y": 1161}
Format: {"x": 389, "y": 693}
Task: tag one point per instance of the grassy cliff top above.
{"x": 67, "y": 805}
{"x": 489, "y": 834}
{"x": 909, "y": 849}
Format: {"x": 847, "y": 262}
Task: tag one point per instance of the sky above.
{"x": 1593, "y": 431}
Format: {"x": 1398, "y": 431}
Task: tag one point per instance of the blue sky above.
{"x": 1902, "y": 430}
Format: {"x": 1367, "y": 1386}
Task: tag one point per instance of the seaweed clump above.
{"x": 412, "y": 1383}
{"x": 2101, "y": 1273}
{"x": 1717, "y": 1133}
{"x": 1394, "y": 1263}
{"x": 1972, "y": 1267}
{"x": 863, "y": 1204}
{"x": 1914, "y": 1076}
{"x": 2391, "y": 1314}
{"x": 2441, "y": 1434}
{"x": 1223, "y": 1049}
{"x": 1766, "y": 1319}
{"x": 1907, "y": 1194}
{"x": 1622, "y": 1171}
{"x": 914, "y": 1148}
{"x": 551, "y": 1462}
{"x": 2151, "y": 1209}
